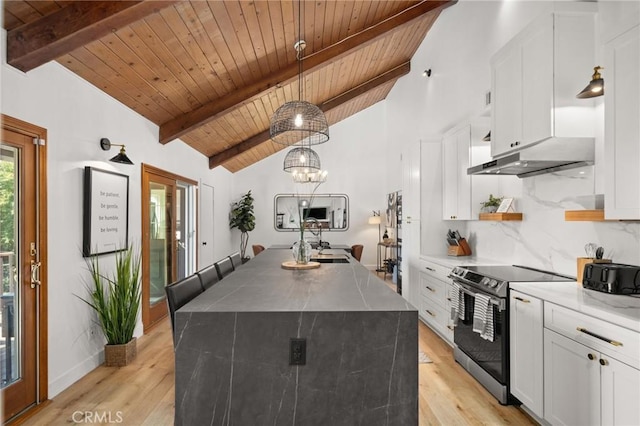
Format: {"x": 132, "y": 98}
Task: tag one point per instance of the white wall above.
{"x": 76, "y": 115}
{"x": 357, "y": 164}
{"x": 458, "y": 49}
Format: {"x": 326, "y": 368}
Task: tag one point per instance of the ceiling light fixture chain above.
{"x": 299, "y": 122}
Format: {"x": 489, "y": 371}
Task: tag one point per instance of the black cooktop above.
{"x": 495, "y": 279}
{"x": 516, "y": 273}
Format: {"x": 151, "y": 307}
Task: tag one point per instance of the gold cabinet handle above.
{"x": 450, "y": 328}
{"x": 522, "y": 300}
{"x": 429, "y": 269}
{"x": 604, "y": 362}
{"x": 430, "y": 313}
{"x": 591, "y": 356}
{"x": 430, "y": 289}
{"x": 597, "y": 336}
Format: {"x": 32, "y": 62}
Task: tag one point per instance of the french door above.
{"x": 168, "y": 232}
{"x": 23, "y": 341}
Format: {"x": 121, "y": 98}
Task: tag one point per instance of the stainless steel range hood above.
{"x": 550, "y": 155}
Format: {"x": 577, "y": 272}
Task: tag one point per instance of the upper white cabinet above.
{"x": 463, "y": 147}
{"x": 456, "y": 183}
{"x": 622, "y": 126}
{"x": 535, "y": 79}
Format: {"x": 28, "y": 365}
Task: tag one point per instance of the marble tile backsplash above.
{"x": 544, "y": 239}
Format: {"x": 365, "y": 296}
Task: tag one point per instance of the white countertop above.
{"x": 454, "y": 261}
{"x": 621, "y": 310}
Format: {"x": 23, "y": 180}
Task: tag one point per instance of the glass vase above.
{"x": 301, "y": 252}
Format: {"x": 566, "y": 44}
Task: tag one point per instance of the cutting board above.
{"x": 291, "y": 264}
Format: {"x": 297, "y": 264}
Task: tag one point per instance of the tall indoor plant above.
{"x": 242, "y": 217}
{"x": 116, "y": 300}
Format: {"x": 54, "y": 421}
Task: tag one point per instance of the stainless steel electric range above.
{"x": 488, "y": 360}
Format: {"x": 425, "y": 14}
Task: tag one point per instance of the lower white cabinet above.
{"x": 587, "y": 383}
{"x": 435, "y": 307}
{"x": 526, "y": 350}
{"x": 619, "y": 393}
{"x": 570, "y": 368}
{"x": 571, "y": 382}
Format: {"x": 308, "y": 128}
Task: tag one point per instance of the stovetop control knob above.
{"x": 484, "y": 281}
{"x": 493, "y": 283}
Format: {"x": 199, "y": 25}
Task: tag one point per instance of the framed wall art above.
{"x": 105, "y": 212}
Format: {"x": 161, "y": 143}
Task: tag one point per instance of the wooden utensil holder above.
{"x": 455, "y": 251}
{"x": 584, "y": 261}
{"x": 462, "y": 249}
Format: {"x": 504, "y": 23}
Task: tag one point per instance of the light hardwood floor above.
{"x": 143, "y": 393}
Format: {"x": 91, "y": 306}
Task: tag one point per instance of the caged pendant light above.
{"x": 299, "y": 122}
{"x": 301, "y": 160}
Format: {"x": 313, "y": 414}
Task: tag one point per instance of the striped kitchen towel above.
{"x": 483, "y": 316}
{"x": 457, "y": 303}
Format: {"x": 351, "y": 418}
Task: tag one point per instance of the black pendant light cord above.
{"x": 299, "y": 50}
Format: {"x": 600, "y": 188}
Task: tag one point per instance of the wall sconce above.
{"x": 595, "y": 87}
{"x": 426, "y": 73}
{"x": 121, "y": 158}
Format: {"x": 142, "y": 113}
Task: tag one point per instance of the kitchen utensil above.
{"x": 599, "y": 253}
{"x": 590, "y": 249}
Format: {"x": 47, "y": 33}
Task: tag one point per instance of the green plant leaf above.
{"x": 116, "y": 298}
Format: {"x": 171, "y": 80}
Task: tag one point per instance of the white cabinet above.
{"x": 409, "y": 233}
{"x": 535, "y": 78}
{"x": 526, "y": 350}
{"x": 456, "y": 183}
{"x": 591, "y": 370}
{"x": 463, "y": 147}
{"x": 435, "y": 306}
{"x": 622, "y": 126}
{"x": 617, "y": 378}
{"x": 572, "y": 382}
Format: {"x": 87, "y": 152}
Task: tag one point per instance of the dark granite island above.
{"x": 233, "y": 348}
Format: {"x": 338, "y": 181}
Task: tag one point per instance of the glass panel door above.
{"x": 10, "y": 343}
{"x": 185, "y": 229}
{"x": 159, "y": 242}
{"x": 168, "y": 246}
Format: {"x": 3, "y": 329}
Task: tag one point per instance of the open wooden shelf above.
{"x": 584, "y": 215}
{"x": 500, "y": 216}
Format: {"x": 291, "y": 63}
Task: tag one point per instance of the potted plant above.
{"x": 242, "y": 217}
{"x": 116, "y": 300}
{"x": 491, "y": 205}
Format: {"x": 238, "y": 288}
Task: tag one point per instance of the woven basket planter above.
{"x": 120, "y": 355}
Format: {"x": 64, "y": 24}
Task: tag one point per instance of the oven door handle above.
{"x": 500, "y": 303}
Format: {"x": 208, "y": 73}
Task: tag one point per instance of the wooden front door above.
{"x": 23, "y": 341}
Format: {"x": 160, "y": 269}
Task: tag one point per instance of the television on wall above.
{"x": 320, "y": 213}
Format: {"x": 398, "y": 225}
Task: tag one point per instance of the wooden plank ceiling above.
{"x": 212, "y": 73}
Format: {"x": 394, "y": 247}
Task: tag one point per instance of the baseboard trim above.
{"x": 73, "y": 375}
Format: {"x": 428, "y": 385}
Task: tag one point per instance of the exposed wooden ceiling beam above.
{"x": 392, "y": 74}
{"x": 185, "y": 123}
{"x": 71, "y": 27}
